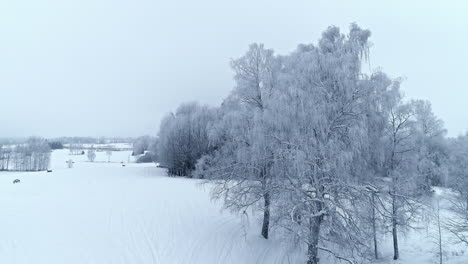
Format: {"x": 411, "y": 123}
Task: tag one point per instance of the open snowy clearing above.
{"x": 105, "y": 213}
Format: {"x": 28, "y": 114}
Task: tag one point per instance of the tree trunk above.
{"x": 312, "y": 247}
{"x": 266, "y": 215}
{"x": 467, "y": 202}
{"x": 396, "y": 254}
{"x": 441, "y": 253}
{"x": 374, "y": 229}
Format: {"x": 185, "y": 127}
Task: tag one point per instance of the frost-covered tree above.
{"x": 400, "y": 160}
{"x": 91, "y": 154}
{"x": 432, "y": 146}
{"x": 242, "y": 165}
{"x": 368, "y": 164}
{"x": 412, "y": 131}
{"x": 319, "y": 115}
{"x": 109, "y": 154}
{"x": 404, "y": 156}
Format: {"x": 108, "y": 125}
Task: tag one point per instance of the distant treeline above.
{"x": 32, "y": 155}
{"x": 11, "y": 141}
{"x": 71, "y": 140}
{"x": 92, "y": 140}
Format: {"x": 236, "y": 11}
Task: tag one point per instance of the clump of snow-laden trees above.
{"x": 141, "y": 144}
{"x": 323, "y": 150}
{"x": 458, "y": 182}
{"x": 145, "y": 148}
{"x": 183, "y": 138}
{"x": 33, "y": 155}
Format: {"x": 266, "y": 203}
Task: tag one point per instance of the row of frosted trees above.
{"x": 33, "y": 155}
{"x": 331, "y": 155}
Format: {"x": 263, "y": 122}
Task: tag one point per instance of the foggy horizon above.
{"x": 117, "y": 72}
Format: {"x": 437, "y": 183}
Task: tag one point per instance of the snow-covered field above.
{"x": 105, "y": 213}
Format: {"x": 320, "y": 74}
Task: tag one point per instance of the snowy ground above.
{"x": 105, "y": 213}
{"x": 419, "y": 246}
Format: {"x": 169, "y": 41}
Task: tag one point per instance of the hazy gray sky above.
{"x": 102, "y": 67}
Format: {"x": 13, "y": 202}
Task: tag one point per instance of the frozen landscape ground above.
{"x": 103, "y": 212}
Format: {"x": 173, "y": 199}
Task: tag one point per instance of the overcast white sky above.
{"x": 102, "y": 67}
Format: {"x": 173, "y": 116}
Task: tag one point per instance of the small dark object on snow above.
{"x": 16, "y": 181}
{"x": 123, "y": 165}
{"x": 49, "y": 170}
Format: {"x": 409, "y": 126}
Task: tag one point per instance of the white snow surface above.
{"x": 103, "y": 212}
